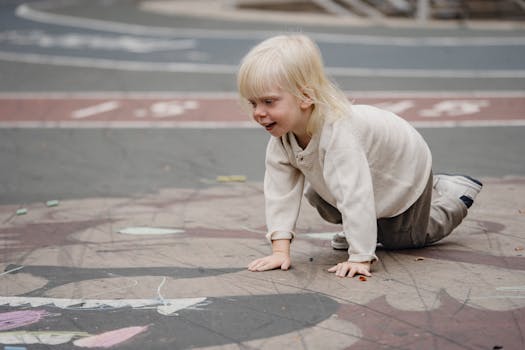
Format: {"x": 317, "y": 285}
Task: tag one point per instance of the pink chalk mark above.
{"x": 111, "y": 338}
{"x": 16, "y": 319}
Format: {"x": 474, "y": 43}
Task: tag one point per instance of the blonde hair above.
{"x": 294, "y": 64}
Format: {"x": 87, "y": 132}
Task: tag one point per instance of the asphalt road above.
{"x": 113, "y": 46}
{"x": 101, "y": 46}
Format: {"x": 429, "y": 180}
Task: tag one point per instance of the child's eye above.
{"x": 268, "y": 101}
{"x": 252, "y": 103}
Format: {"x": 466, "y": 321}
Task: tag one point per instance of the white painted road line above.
{"x": 94, "y": 110}
{"x": 30, "y": 12}
{"x": 207, "y": 68}
{"x": 219, "y": 111}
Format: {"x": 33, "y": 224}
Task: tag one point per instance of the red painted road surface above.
{"x": 214, "y": 111}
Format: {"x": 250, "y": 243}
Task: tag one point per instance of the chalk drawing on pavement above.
{"x": 40, "y": 337}
{"x": 110, "y": 338}
{"x": 220, "y": 321}
{"x": 164, "y": 307}
{"x": 83, "y": 339}
{"x": 15, "y": 319}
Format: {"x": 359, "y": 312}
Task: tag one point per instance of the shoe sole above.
{"x": 339, "y": 246}
{"x": 470, "y": 178}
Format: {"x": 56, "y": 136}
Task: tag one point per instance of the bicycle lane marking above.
{"x": 163, "y": 110}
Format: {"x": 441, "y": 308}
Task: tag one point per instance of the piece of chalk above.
{"x": 141, "y": 230}
{"x": 21, "y": 211}
{"x": 52, "y": 203}
{"x": 231, "y": 178}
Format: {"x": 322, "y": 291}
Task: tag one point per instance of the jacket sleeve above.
{"x": 283, "y": 189}
{"x": 348, "y": 177}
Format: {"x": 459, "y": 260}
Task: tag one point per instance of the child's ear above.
{"x": 307, "y": 101}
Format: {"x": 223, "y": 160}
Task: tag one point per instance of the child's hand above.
{"x": 270, "y": 262}
{"x": 351, "y": 269}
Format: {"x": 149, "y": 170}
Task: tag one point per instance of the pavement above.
{"x": 160, "y": 263}
{"x": 90, "y": 266}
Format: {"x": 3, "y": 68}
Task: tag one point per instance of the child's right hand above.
{"x": 270, "y": 262}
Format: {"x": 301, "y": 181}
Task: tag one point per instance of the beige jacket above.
{"x": 369, "y": 165}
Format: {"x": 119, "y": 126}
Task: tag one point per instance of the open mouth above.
{"x": 270, "y": 126}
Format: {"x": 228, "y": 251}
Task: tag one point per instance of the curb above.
{"x": 227, "y": 10}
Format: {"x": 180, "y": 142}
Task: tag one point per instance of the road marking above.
{"x": 127, "y": 43}
{"x": 31, "y": 13}
{"x": 223, "y": 110}
{"x": 171, "y": 108}
{"x": 94, "y": 110}
{"x": 36, "y": 12}
{"x": 454, "y": 108}
{"x": 207, "y": 68}
{"x": 136, "y": 66}
{"x": 210, "y": 95}
{"x": 397, "y": 107}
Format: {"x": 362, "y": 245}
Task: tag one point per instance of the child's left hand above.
{"x": 351, "y": 269}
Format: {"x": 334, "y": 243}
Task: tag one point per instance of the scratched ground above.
{"x": 140, "y": 254}
{"x": 167, "y": 271}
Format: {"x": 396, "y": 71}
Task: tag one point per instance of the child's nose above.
{"x": 259, "y": 113}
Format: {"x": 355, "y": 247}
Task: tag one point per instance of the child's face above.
{"x": 280, "y": 112}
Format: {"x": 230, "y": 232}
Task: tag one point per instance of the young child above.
{"x": 359, "y": 166}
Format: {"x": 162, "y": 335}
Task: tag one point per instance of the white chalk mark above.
{"x": 512, "y": 289}
{"x": 12, "y": 270}
{"x": 42, "y": 337}
{"x": 325, "y": 236}
{"x": 149, "y": 231}
{"x": 159, "y": 288}
{"x": 94, "y": 110}
{"x": 167, "y": 307}
{"x": 499, "y": 297}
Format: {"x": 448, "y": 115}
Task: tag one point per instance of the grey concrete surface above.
{"x": 75, "y": 275}
{"x": 46, "y": 164}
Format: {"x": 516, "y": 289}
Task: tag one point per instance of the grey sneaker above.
{"x": 339, "y": 241}
{"x": 463, "y": 187}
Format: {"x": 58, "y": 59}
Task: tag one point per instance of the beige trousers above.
{"x": 431, "y": 218}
